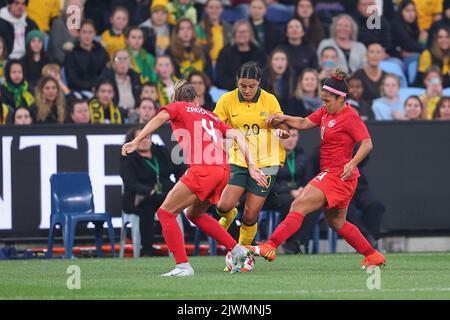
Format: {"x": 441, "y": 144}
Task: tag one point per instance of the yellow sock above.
{"x": 227, "y": 218}
{"x": 247, "y": 234}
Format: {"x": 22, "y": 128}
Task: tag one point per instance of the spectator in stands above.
{"x": 433, "y": 93}
{"x": 301, "y": 54}
{"x": 43, "y": 12}
{"x": 146, "y": 178}
{"x": 35, "y": 58}
{"x": 50, "y": 102}
{"x": 78, "y": 111}
{"x": 6, "y": 113}
{"x": 150, "y": 90}
{"x": 371, "y": 74}
{"x": 308, "y": 90}
{"x": 54, "y": 70}
{"x": 428, "y": 11}
{"x": 126, "y": 82}
{"x": 157, "y": 29}
{"x": 329, "y": 60}
{"x": 242, "y": 48}
{"x": 266, "y": 34}
{"x": 186, "y": 53}
{"x": 145, "y": 110}
{"x": 388, "y": 106}
{"x": 413, "y": 108}
{"x": 102, "y": 108}
{"x": 166, "y": 79}
{"x": 442, "y": 111}
{"x": 86, "y": 62}
{"x": 213, "y": 33}
{"x": 14, "y": 25}
{"x": 367, "y": 32}
{"x": 3, "y": 56}
{"x": 15, "y": 91}
{"x": 291, "y": 179}
{"x": 444, "y": 22}
{"x": 343, "y": 37}
{"x": 355, "y": 98}
{"x": 407, "y": 39}
{"x": 141, "y": 61}
{"x": 114, "y": 39}
{"x": 202, "y": 84}
{"x": 278, "y": 78}
{"x": 437, "y": 55}
{"x": 63, "y": 34}
{"x": 179, "y": 9}
{"x": 314, "y": 30}
{"x": 22, "y": 116}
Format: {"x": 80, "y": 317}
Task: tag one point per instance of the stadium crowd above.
{"x": 116, "y": 61}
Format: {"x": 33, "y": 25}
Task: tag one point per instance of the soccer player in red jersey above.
{"x": 341, "y": 129}
{"x": 200, "y": 133}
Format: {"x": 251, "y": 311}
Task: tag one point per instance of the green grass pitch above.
{"x": 406, "y": 276}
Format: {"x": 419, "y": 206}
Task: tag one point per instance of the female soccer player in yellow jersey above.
{"x": 246, "y": 108}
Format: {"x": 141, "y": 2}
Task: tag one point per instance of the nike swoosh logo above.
{"x": 234, "y": 115}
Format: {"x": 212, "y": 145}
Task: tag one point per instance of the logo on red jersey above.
{"x": 332, "y": 123}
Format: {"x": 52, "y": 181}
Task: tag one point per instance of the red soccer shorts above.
{"x": 206, "y": 182}
{"x": 337, "y": 192}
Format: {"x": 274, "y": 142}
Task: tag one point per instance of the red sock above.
{"x": 286, "y": 229}
{"x": 212, "y": 228}
{"x": 172, "y": 235}
{"x": 353, "y": 236}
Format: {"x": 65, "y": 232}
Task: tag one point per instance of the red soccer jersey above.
{"x": 199, "y": 132}
{"x": 339, "y": 132}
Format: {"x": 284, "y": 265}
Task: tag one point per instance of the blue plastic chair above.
{"x": 197, "y": 238}
{"x": 72, "y": 202}
{"x": 270, "y": 219}
{"x": 395, "y": 68}
{"x": 216, "y": 93}
{"x": 331, "y": 235}
{"x": 404, "y": 93}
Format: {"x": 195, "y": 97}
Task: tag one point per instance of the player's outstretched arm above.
{"x": 253, "y": 170}
{"x": 298, "y": 123}
{"x": 363, "y": 151}
{"x": 151, "y": 126}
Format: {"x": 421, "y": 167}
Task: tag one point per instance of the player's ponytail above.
{"x": 249, "y": 70}
{"x": 337, "y": 83}
{"x": 184, "y": 91}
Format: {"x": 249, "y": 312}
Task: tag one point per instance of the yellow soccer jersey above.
{"x": 249, "y": 117}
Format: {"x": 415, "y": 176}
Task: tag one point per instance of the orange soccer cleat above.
{"x": 264, "y": 250}
{"x": 372, "y": 260}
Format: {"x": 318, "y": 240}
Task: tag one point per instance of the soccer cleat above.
{"x": 179, "y": 272}
{"x": 227, "y": 219}
{"x": 373, "y": 260}
{"x": 264, "y": 250}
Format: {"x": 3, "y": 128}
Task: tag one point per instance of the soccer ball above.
{"x": 249, "y": 263}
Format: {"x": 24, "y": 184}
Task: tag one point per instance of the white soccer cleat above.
{"x": 238, "y": 256}
{"x": 185, "y": 271}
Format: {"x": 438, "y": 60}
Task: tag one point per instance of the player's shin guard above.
{"x": 227, "y": 218}
{"x": 247, "y": 234}
{"x": 172, "y": 235}
{"x": 354, "y": 237}
{"x": 286, "y": 229}
{"x": 212, "y": 228}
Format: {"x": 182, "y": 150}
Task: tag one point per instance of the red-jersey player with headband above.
{"x": 200, "y": 133}
{"x": 341, "y": 129}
